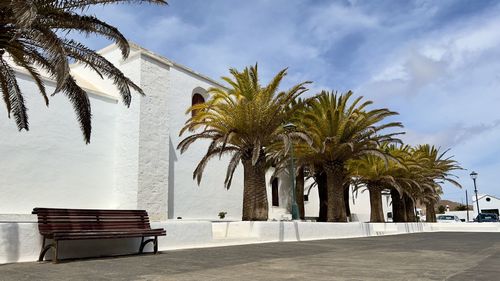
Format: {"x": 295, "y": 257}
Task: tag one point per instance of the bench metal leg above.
{"x": 156, "y": 245}
{"x": 46, "y": 248}
{"x": 54, "y": 250}
{"x": 144, "y": 243}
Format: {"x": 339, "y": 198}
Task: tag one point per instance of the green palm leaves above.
{"x": 342, "y": 130}
{"x": 30, "y": 37}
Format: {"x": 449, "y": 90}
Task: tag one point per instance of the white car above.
{"x": 448, "y": 219}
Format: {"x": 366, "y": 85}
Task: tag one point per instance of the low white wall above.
{"x": 466, "y": 227}
{"x": 301, "y": 231}
{"x": 233, "y": 230}
{"x": 21, "y": 241}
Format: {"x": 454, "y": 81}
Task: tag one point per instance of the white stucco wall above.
{"x": 126, "y": 144}
{"x": 50, "y": 165}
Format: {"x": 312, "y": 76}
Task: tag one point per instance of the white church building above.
{"x": 132, "y": 161}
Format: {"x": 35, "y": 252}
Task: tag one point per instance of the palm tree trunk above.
{"x": 376, "y": 212}
{"x": 335, "y": 185}
{"x": 255, "y": 205}
{"x": 299, "y": 191}
{"x": 320, "y": 178}
{"x": 347, "y": 190}
{"x": 430, "y": 212}
{"x": 398, "y": 207}
{"x": 410, "y": 209}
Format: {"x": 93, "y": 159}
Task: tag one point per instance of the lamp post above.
{"x": 290, "y": 127}
{"x": 467, "y": 204}
{"x": 473, "y": 175}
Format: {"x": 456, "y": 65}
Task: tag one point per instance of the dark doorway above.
{"x": 275, "y": 192}
{"x": 197, "y": 99}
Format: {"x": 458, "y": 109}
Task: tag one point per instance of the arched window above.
{"x": 197, "y": 99}
{"x": 274, "y": 192}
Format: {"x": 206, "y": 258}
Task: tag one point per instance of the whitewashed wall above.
{"x": 51, "y": 165}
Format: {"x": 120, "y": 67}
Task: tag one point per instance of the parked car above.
{"x": 448, "y": 219}
{"x": 487, "y": 217}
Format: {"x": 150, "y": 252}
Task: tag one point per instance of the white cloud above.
{"x": 335, "y": 20}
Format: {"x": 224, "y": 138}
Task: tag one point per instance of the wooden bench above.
{"x": 81, "y": 224}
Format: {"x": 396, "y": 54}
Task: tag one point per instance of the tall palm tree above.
{"x": 342, "y": 130}
{"x": 33, "y": 36}
{"x": 243, "y": 122}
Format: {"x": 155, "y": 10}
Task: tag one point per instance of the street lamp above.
{"x": 290, "y": 127}
{"x": 473, "y": 175}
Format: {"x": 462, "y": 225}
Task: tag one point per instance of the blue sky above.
{"x": 435, "y": 62}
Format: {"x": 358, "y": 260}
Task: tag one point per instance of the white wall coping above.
{"x": 17, "y": 218}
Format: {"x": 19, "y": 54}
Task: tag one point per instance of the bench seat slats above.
{"x": 105, "y": 222}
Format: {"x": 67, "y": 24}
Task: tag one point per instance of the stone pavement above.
{"x": 420, "y": 256}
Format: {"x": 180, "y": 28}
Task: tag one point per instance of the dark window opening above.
{"x": 197, "y": 99}
{"x": 275, "y": 192}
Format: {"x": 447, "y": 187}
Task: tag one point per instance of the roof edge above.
{"x": 163, "y": 60}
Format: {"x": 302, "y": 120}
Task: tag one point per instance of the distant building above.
{"x": 487, "y": 204}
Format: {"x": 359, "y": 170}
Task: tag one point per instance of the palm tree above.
{"x": 425, "y": 168}
{"x": 341, "y": 131}
{"x": 243, "y": 122}
{"x": 437, "y": 168}
{"x": 412, "y": 182}
{"x": 375, "y": 174}
{"x": 32, "y": 36}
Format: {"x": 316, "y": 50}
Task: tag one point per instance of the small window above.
{"x": 306, "y": 197}
{"x": 275, "y": 192}
{"x": 488, "y": 199}
{"x": 197, "y": 99}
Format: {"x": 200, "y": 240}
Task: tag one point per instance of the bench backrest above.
{"x": 51, "y": 219}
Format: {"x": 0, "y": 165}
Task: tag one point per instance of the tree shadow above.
{"x": 10, "y": 241}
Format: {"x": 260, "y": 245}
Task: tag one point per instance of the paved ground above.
{"x": 421, "y": 256}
